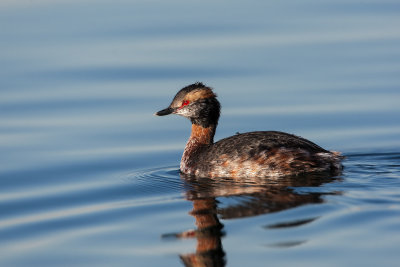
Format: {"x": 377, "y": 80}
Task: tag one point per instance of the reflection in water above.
{"x": 209, "y": 250}
{"x": 252, "y": 197}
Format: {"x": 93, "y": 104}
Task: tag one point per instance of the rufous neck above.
{"x": 203, "y": 135}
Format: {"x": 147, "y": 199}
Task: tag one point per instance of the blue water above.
{"x": 89, "y": 177}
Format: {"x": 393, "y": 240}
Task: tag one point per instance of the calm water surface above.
{"x": 89, "y": 177}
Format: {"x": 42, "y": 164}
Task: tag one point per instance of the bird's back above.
{"x": 262, "y": 154}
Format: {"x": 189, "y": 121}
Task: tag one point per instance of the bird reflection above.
{"x": 249, "y": 197}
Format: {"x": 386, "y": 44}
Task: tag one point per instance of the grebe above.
{"x": 252, "y": 154}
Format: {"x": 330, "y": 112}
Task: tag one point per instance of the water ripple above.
{"x": 53, "y": 209}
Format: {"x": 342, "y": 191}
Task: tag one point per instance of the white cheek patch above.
{"x": 182, "y": 112}
{"x": 186, "y": 111}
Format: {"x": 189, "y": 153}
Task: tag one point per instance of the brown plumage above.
{"x": 253, "y": 154}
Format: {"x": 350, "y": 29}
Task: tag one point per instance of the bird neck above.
{"x": 202, "y": 135}
{"x": 200, "y": 138}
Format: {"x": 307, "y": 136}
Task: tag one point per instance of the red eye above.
{"x": 184, "y": 103}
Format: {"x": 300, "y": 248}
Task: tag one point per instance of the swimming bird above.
{"x": 251, "y": 154}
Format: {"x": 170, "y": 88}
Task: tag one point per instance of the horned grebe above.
{"x": 253, "y": 154}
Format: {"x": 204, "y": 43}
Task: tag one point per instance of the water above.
{"x": 89, "y": 177}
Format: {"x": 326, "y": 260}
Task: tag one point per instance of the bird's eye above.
{"x": 185, "y": 103}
